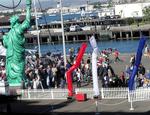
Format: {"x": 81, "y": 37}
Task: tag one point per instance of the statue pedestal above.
{"x": 4, "y": 87}
{"x": 15, "y": 90}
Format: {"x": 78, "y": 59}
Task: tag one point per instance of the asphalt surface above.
{"x": 58, "y": 107}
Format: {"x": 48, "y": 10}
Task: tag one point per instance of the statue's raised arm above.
{"x": 26, "y": 23}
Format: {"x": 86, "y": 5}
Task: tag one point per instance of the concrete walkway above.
{"x": 112, "y": 107}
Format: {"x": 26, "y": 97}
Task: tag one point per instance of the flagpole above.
{"x": 13, "y": 7}
{"x": 63, "y": 35}
{"x": 38, "y": 31}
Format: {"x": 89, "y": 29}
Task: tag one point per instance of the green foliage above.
{"x": 130, "y": 21}
{"x": 97, "y": 5}
{"x": 146, "y": 13}
{"x": 110, "y": 4}
{"x": 105, "y": 36}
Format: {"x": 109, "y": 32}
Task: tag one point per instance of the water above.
{"x": 124, "y": 46}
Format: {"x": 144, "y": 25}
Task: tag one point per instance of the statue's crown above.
{"x": 14, "y": 18}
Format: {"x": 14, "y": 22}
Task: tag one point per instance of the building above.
{"x": 106, "y": 12}
{"x": 130, "y": 10}
{"x": 71, "y": 9}
{"x": 128, "y": 1}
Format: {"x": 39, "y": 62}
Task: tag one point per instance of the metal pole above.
{"x": 38, "y": 31}
{"x": 13, "y": 6}
{"x": 87, "y": 5}
{"x": 96, "y": 104}
{"x": 131, "y": 102}
{"x": 63, "y": 36}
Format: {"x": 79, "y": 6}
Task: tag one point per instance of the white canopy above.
{"x": 2, "y": 50}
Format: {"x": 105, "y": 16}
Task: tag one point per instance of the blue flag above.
{"x": 137, "y": 62}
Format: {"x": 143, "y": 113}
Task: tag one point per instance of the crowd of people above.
{"x": 2, "y": 70}
{"x": 48, "y": 71}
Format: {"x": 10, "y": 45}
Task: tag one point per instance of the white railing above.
{"x": 44, "y": 94}
{"x": 114, "y": 93}
{"x": 140, "y": 94}
{"x": 105, "y": 93}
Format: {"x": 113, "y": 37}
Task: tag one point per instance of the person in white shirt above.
{"x": 35, "y": 82}
{"x": 78, "y": 73}
{"x": 147, "y": 51}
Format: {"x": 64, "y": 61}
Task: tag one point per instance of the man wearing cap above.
{"x": 14, "y": 43}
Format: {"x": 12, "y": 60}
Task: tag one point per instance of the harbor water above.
{"x": 124, "y": 46}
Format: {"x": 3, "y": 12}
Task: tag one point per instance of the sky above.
{"x": 48, "y": 3}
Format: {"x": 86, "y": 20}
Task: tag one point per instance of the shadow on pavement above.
{"x": 10, "y": 104}
{"x": 34, "y": 108}
{"x": 82, "y": 113}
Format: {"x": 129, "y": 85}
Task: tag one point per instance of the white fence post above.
{"x": 52, "y": 94}
{"x": 102, "y": 93}
{"x": 28, "y": 94}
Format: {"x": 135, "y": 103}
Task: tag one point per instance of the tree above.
{"x": 146, "y": 14}
{"x": 97, "y": 5}
{"x": 130, "y": 21}
{"x": 110, "y": 4}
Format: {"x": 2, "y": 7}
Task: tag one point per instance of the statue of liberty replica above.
{"x": 14, "y": 42}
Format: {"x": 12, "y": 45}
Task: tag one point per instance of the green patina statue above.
{"x": 14, "y": 42}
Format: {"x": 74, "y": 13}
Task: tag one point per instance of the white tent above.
{"x": 2, "y": 50}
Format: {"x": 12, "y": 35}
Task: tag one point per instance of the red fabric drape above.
{"x": 76, "y": 65}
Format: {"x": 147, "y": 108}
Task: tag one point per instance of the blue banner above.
{"x": 137, "y": 62}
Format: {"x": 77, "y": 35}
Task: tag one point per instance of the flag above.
{"x": 94, "y": 65}
{"x": 137, "y": 62}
